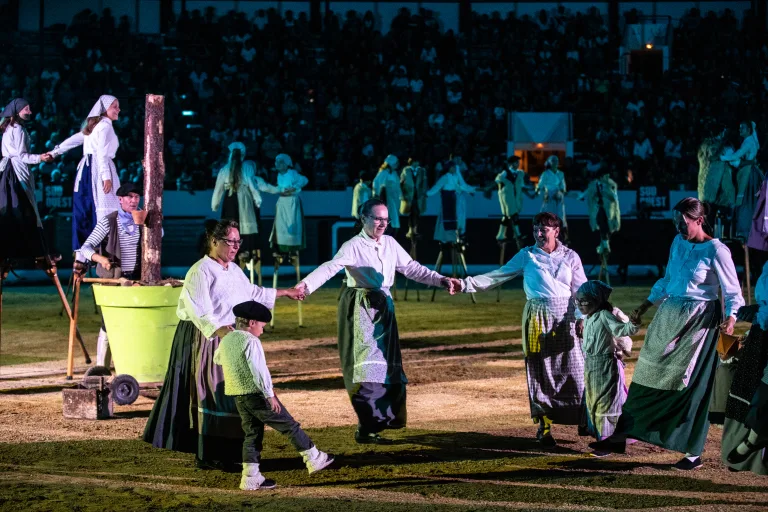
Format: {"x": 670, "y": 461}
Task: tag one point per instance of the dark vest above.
{"x": 110, "y": 249}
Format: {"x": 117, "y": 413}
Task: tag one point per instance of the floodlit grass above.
{"x": 34, "y": 331}
{"x": 437, "y": 466}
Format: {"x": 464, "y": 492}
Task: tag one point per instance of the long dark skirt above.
{"x": 668, "y": 400}
{"x": 192, "y": 413}
{"x": 747, "y": 404}
{"x": 742, "y": 214}
{"x": 371, "y": 362}
{"x": 20, "y": 236}
{"x": 83, "y": 207}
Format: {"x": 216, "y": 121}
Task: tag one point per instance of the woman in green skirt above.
{"x": 369, "y": 344}
{"x": 669, "y": 396}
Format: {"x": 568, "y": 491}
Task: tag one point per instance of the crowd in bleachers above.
{"x": 340, "y": 97}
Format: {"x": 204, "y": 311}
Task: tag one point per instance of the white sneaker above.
{"x": 316, "y": 460}
{"x": 253, "y": 480}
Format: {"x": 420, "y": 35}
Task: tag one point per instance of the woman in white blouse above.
{"x": 192, "y": 413}
{"x": 554, "y": 363}
{"x": 21, "y": 231}
{"x": 749, "y": 178}
{"x": 386, "y": 185}
{"x": 452, "y": 217}
{"x": 288, "y": 230}
{"x": 669, "y": 397}
{"x": 96, "y": 181}
{"x": 238, "y": 193}
{"x": 369, "y": 345}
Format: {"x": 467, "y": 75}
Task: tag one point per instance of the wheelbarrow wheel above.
{"x": 125, "y": 389}
{"x": 97, "y": 371}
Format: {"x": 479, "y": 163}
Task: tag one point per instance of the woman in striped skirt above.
{"x": 554, "y": 362}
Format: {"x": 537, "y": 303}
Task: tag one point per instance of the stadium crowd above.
{"x": 340, "y": 98}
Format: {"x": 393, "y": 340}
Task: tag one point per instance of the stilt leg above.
{"x": 252, "y": 270}
{"x": 278, "y": 261}
{"x": 438, "y": 268}
{"x": 298, "y": 280}
{"x": 502, "y": 250}
{"x": 466, "y": 273}
{"x": 749, "y": 277}
{"x": 258, "y": 266}
{"x": 73, "y": 330}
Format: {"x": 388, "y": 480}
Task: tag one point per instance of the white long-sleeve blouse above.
{"x": 545, "y": 276}
{"x": 211, "y": 291}
{"x": 699, "y": 272}
{"x": 371, "y": 264}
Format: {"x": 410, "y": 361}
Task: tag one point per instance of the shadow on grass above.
{"x": 322, "y": 384}
{"x": 124, "y": 415}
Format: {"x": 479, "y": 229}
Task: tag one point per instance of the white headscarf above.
{"x": 282, "y": 157}
{"x": 237, "y": 145}
{"x": 102, "y": 105}
{"x": 553, "y": 162}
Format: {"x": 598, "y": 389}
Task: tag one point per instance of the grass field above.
{"x": 469, "y": 445}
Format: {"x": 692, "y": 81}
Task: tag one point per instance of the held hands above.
{"x": 296, "y": 293}
{"x": 727, "y": 326}
{"x": 46, "y": 157}
{"x": 636, "y": 317}
{"x": 451, "y": 284}
{"x": 274, "y": 404}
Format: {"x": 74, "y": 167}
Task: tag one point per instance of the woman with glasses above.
{"x": 192, "y": 413}
{"x": 554, "y": 362}
{"x": 668, "y": 401}
{"x": 369, "y": 345}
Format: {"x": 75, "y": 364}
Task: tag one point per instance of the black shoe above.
{"x": 268, "y": 484}
{"x": 606, "y": 445}
{"x": 583, "y": 431}
{"x": 734, "y": 457}
{"x": 685, "y": 464}
{"x": 363, "y": 438}
{"x": 547, "y": 441}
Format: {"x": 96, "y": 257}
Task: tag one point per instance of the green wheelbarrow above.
{"x": 140, "y": 322}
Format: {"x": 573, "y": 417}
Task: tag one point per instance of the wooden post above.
{"x": 73, "y": 329}
{"x": 154, "y": 175}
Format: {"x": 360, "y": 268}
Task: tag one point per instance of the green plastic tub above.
{"x": 140, "y": 321}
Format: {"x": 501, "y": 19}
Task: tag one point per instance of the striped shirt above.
{"x": 129, "y": 243}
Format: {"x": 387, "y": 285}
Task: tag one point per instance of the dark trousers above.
{"x": 255, "y": 412}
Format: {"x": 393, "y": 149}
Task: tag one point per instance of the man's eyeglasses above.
{"x": 232, "y": 243}
{"x": 379, "y": 220}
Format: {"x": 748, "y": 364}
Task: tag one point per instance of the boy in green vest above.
{"x": 247, "y": 378}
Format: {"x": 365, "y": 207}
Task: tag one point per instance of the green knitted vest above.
{"x": 238, "y": 379}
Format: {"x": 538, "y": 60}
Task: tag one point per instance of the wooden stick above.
{"x": 104, "y": 280}
{"x": 73, "y": 330}
{"x": 253, "y": 270}
{"x": 466, "y": 273}
{"x": 2, "y": 280}
{"x": 258, "y": 265}
{"x": 278, "y": 261}
{"x": 55, "y": 278}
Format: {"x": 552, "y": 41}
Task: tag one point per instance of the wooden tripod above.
{"x": 48, "y": 265}
{"x": 458, "y": 263}
{"x": 412, "y": 253}
{"x": 294, "y": 258}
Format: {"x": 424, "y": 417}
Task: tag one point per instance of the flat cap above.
{"x": 252, "y": 310}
